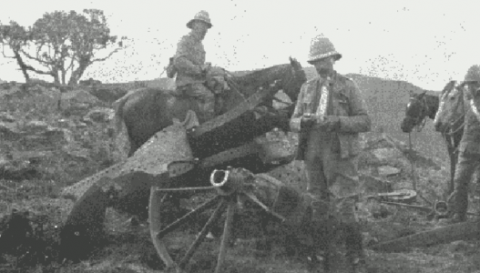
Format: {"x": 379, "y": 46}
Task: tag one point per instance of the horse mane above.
{"x": 433, "y": 102}
{"x": 262, "y": 77}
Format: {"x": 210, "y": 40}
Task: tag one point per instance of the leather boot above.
{"x": 355, "y": 253}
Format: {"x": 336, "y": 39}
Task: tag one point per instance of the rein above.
{"x": 421, "y": 120}
{"x": 286, "y": 82}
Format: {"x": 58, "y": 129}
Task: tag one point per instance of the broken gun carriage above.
{"x": 223, "y": 156}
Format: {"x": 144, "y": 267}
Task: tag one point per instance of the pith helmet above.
{"x": 320, "y": 48}
{"x": 200, "y": 16}
{"x": 473, "y": 74}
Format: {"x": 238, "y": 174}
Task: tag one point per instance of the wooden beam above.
{"x": 441, "y": 235}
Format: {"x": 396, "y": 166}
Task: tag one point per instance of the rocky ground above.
{"x": 50, "y": 139}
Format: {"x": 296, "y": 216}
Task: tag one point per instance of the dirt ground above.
{"x": 30, "y": 243}
{"x": 32, "y": 213}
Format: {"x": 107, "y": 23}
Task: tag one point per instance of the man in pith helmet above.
{"x": 329, "y": 115}
{"x": 469, "y": 152}
{"x": 191, "y": 68}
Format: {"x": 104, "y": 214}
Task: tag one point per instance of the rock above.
{"x": 388, "y": 171}
{"x": 30, "y": 155}
{"x": 35, "y": 126}
{"x": 371, "y": 184}
{"x": 79, "y": 154}
{"x": 9, "y": 131}
{"x": 459, "y": 246}
{"x": 387, "y": 154}
{"x": 66, "y": 123}
{"x": 18, "y": 170}
{"x": 78, "y": 99}
{"x": 99, "y": 115}
{"x": 51, "y": 136}
{"x": 58, "y": 135}
{"x": 6, "y": 117}
{"x": 108, "y": 95}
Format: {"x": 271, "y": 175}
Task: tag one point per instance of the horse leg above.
{"x": 132, "y": 140}
{"x": 453, "y": 164}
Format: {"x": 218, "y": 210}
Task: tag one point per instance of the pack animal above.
{"x": 148, "y": 110}
{"x": 424, "y": 105}
{"x": 450, "y": 120}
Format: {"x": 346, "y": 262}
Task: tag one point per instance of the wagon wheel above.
{"x": 231, "y": 188}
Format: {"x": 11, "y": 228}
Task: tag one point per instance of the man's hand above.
{"x": 307, "y": 122}
{"x": 330, "y": 124}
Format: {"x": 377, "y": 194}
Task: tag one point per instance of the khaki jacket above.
{"x": 189, "y": 59}
{"x": 346, "y": 102}
{"x": 470, "y": 142}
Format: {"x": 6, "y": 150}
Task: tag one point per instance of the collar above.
{"x": 331, "y": 80}
{"x": 195, "y": 36}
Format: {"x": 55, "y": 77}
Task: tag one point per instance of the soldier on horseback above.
{"x": 191, "y": 68}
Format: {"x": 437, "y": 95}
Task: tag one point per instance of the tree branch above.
{"x": 108, "y": 56}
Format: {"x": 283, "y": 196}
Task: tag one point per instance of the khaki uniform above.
{"x": 468, "y": 162}
{"x": 331, "y": 157}
{"x": 189, "y": 60}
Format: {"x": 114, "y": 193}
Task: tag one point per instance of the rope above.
{"x": 410, "y": 158}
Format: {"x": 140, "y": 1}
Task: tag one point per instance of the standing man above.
{"x": 189, "y": 62}
{"x": 469, "y": 156}
{"x": 329, "y": 115}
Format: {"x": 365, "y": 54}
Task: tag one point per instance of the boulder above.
{"x": 9, "y": 131}
{"x": 6, "y": 117}
{"x": 78, "y": 99}
{"x": 99, "y": 115}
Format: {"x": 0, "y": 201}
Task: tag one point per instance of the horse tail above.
{"x": 118, "y": 119}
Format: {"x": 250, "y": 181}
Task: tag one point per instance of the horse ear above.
{"x": 422, "y": 94}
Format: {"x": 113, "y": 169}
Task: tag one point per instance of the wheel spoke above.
{"x": 226, "y": 236}
{"x": 155, "y": 224}
{"x": 203, "y": 233}
{"x": 254, "y": 199}
{"x": 187, "y": 217}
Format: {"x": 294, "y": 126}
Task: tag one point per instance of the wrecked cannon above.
{"x": 232, "y": 192}
{"x": 173, "y": 157}
{"x": 176, "y": 171}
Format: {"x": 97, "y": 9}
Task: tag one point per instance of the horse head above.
{"x": 294, "y": 79}
{"x": 415, "y": 113}
{"x": 451, "y": 107}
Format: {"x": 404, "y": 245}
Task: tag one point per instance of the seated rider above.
{"x": 189, "y": 64}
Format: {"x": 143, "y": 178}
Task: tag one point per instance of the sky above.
{"x": 423, "y": 42}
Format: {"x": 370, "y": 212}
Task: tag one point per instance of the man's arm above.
{"x": 182, "y": 58}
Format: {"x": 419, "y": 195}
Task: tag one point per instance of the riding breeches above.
{"x": 467, "y": 164}
{"x": 204, "y": 97}
{"x": 330, "y": 175}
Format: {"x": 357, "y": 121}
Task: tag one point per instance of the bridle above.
{"x": 286, "y": 82}
{"x": 420, "y": 120}
{"x": 452, "y": 129}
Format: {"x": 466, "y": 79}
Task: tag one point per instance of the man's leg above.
{"x": 466, "y": 166}
{"x": 343, "y": 175}
{"x": 205, "y": 100}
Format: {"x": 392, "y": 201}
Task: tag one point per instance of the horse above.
{"x": 423, "y": 105}
{"x": 148, "y": 110}
{"x": 450, "y": 120}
